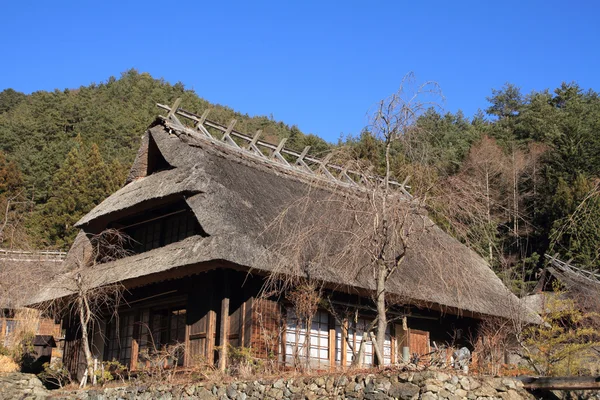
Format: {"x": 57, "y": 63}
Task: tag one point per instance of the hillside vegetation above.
{"x": 515, "y": 181}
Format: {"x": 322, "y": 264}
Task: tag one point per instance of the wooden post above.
{"x": 344, "y": 357}
{"x": 211, "y": 333}
{"x": 135, "y": 345}
{"x": 224, "y": 328}
{"x": 332, "y": 342}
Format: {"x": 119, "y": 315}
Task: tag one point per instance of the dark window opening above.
{"x": 160, "y": 227}
{"x": 156, "y": 161}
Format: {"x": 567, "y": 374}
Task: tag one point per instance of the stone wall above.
{"x": 15, "y": 385}
{"x": 385, "y": 385}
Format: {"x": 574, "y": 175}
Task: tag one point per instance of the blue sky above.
{"x": 318, "y": 64}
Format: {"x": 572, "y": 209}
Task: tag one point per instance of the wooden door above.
{"x": 201, "y": 339}
{"x": 418, "y": 342}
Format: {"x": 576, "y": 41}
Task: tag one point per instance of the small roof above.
{"x": 236, "y": 196}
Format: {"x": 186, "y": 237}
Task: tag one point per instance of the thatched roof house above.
{"x": 197, "y": 206}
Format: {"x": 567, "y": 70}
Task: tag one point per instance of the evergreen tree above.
{"x": 82, "y": 182}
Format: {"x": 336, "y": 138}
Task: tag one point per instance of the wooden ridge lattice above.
{"x": 569, "y": 267}
{"x": 300, "y": 161}
{"x": 25, "y": 256}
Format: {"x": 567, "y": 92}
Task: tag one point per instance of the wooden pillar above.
{"x": 332, "y": 342}
{"x": 135, "y": 345}
{"x": 344, "y": 358}
{"x": 224, "y": 328}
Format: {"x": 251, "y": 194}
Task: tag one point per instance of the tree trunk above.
{"x": 85, "y": 342}
{"x": 381, "y": 310}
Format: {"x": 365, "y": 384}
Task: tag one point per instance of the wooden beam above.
{"x": 561, "y": 382}
{"x": 227, "y": 134}
{"x": 200, "y": 123}
{"x": 224, "y": 328}
{"x": 323, "y": 166}
{"x": 252, "y": 144}
{"x": 277, "y": 152}
{"x": 174, "y": 108}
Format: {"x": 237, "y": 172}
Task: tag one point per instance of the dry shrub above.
{"x": 7, "y": 364}
{"x": 28, "y": 321}
{"x": 491, "y": 344}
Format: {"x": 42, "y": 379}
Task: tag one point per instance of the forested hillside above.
{"x": 517, "y": 180}
{"x": 67, "y": 150}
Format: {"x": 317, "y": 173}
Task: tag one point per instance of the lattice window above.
{"x": 163, "y": 327}
{"x": 314, "y": 343}
{"x": 119, "y": 337}
{"x": 355, "y": 337}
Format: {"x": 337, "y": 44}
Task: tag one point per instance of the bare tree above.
{"x": 361, "y": 234}
{"x": 89, "y": 301}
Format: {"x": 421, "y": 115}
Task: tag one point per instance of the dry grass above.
{"x": 7, "y": 364}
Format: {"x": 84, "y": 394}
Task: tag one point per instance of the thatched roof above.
{"x": 236, "y": 197}
{"x": 24, "y": 273}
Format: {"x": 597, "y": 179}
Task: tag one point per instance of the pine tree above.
{"x": 82, "y": 182}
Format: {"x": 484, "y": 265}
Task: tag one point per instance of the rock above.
{"x": 444, "y": 393}
{"x": 449, "y": 387}
{"x": 351, "y": 387}
{"x": 320, "y": 381}
{"x": 428, "y": 396}
{"x": 461, "y": 392}
{"x": 485, "y": 391}
{"x": 275, "y": 393}
{"x": 442, "y": 377}
{"x": 464, "y": 383}
{"x": 474, "y": 383}
{"x": 341, "y": 381}
{"x": 509, "y": 383}
{"x": 279, "y": 384}
{"x": 403, "y": 390}
{"x": 431, "y": 388}
{"x": 231, "y": 391}
{"x": 511, "y": 395}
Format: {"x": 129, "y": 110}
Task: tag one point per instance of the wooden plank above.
{"x": 331, "y": 342}
{"x": 561, "y": 382}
